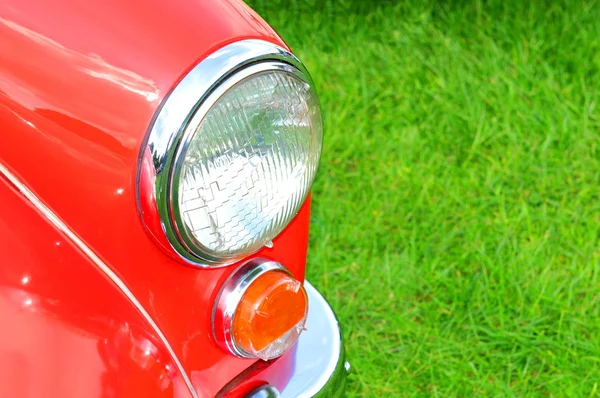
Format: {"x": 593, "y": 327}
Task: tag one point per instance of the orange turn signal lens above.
{"x": 261, "y": 311}
{"x": 270, "y": 315}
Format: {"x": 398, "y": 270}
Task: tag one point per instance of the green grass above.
{"x": 455, "y": 224}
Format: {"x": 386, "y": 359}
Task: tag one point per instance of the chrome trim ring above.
{"x": 229, "y": 298}
{"x": 172, "y": 130}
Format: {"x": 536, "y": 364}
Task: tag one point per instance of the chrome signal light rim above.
{"x": 230, "y": 297}
{"x": 171, "y": 130}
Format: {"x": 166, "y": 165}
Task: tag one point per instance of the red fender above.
{"x": 79, "y": 85}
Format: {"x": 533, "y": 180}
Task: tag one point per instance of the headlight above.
{"x": 232, "y": 153}
{"x": 249, "y": 158}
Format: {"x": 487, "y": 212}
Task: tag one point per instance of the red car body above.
{"x": 79, "y": 85}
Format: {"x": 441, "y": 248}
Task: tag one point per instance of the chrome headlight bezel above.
{"x": 172, "y": 130}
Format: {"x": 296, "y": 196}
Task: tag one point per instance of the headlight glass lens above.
{"x": 249, "y": 164}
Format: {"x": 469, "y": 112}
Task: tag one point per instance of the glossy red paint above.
{"x": 260, "y": 374}
{"x": 67, "y": 331}
{"x": 79, "y": 85}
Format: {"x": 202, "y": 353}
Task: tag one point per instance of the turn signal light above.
{"x": 260, "y": 312}
{"x": 271, "y": 315}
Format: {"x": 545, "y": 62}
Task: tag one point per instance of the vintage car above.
{"x": 156, "y": 160}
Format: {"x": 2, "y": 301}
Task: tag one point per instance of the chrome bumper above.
{"x": 320, "y": 368}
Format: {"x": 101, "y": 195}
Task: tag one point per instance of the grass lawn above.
{"x": 455, "y": 225}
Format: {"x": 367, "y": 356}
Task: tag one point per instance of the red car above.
{"x": 156, "y": 160}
